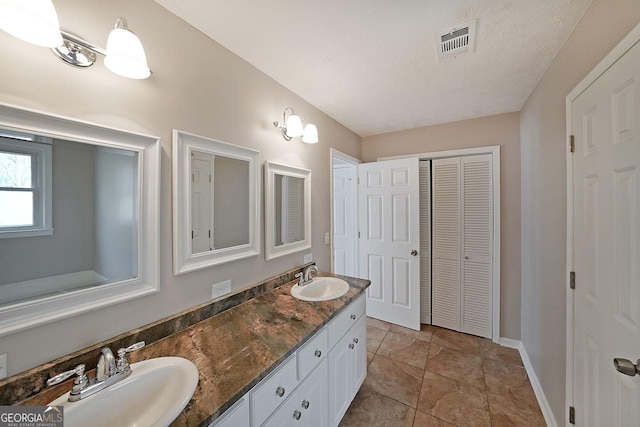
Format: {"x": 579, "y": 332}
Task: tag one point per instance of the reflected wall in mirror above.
{"x": 216, "y": 202}
{"x": 287, "y": 209}
{"x": 78, "y": 217}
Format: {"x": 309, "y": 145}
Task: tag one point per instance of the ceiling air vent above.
{"x": 457, "y": 41}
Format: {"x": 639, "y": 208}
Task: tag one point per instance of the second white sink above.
{"x": 153, "y": 395}
{"x": 321, "y": 289}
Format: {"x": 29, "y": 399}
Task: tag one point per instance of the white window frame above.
{"x": 40, "y": 153}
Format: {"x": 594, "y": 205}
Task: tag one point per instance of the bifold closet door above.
{"x": 462, "y": 244}
{"x": 425, "y": 241}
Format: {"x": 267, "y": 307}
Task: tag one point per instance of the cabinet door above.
{"x": 359, "y": 356}
{"x": 313, "y": 398}
{"x": 284, "y": 416}
{"x": 237, "y": 415}
{"x": 340, "y": 374}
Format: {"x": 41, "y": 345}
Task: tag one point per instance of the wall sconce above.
{"x": 36, "y": 22}
{"x": 292, "y": 127}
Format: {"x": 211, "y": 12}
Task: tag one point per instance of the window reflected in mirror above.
{"x": 93, "y": 204}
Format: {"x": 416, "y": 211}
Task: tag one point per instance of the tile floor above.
{"x": 441, "y": 378}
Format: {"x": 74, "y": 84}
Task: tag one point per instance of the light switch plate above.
{"x": 308, "y": 258}
{"x": 326, "y": 238}
{"x": 3, "y": 366}
{"x": 220, "y": 289}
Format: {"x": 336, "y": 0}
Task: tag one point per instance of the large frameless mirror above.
{"x": 216, "y": 202}
{"x": 287, "y": 209}
{"x": 78, "y": 217}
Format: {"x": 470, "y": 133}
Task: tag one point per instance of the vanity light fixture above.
{"x": 36, "y": 22}
{"x": 292, "y": 127}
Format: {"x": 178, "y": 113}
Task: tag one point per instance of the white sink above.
{"x": 321, "y": 289}
{"x": 153, "y": 395}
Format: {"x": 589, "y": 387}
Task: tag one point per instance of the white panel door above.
{"x": 446, "y": 244}
{"x": 344, "y": 221}
{"x": 389, "y": 211}
{"x": 201, "y": 200}
{"x": 477, "y": 245}
{"x": 606, "y": 256}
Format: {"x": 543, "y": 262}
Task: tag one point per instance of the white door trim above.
{"x": 627, "y": 43}
{"x": 336, "y": 154}
{"x": 494, "y": 150}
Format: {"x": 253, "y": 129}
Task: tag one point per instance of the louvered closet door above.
{"x": 425, "y": 241}
{"x": 446, "y": 243}
{"x": 477, "y": 245}
{"x": 462, "y": 244}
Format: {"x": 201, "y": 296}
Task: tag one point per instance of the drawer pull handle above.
{"x": 318, "y": 353}
{"x": 297, "y": 414}
{"x": 351, "y": 346}
{"x": 280, "y": 391}
{"x": 355, "y": 340}
{"x": 305, "y": 404}
{"x": 353, "y": 317}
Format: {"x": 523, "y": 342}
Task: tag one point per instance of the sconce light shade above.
{"x": 34, "y": 21}
{"x": 294, "y": 126}
{"x": 125, "y": 54}
{"x": 310, "y": 135}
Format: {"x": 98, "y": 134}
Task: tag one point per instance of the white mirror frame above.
{"x": 28, "y": 314}
{"x": 184, "y": 260}
{"x": 272, "y": 169}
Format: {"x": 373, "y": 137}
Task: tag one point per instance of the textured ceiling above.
{"x": 372, "y": 64}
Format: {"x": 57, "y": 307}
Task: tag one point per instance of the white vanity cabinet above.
{"x": 347, "y": 359}
{"x": 314, "y": 386}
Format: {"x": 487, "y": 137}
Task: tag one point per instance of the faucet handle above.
{"x": 123, "y": 364}
{"x": 78, "y": 370}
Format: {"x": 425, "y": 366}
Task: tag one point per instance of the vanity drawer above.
{"x": 273, "y": 390}
{"x": 312, "y": 353}
{"x": 341, "y": 324}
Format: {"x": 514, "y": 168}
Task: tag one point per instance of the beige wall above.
{"x": 543, "y": 146}
{"x": 502, "y": 130}
{"x": 197, "y": 86}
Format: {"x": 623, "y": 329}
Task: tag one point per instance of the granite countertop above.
{"x": 237, "y": 348}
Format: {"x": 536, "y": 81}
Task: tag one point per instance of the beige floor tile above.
{"x": 424, "y": 420}
{"x": 380, "y": 324}
{"x": 374, "y": 338}
{"x": 369, "y": 357}
{"x": 510, "y": 411}
{"x": 404, "y": 349}
{"x": 507, "y": 380}
{"x": 493, "y": 351}
{"x": 394, "y": 379}
{"x": 373, "y": 409}
{"x": 424, "y": 334}
{"x": 455, "y": 340}
{"x": 457, "y": 403}
{"x": 457, "y": 365}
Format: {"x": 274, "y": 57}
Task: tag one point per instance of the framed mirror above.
{"x": 216, "y": 202}
{"x": 287, "y": 210}
{"x": 79, "y": 217}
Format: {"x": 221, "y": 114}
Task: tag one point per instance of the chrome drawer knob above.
{"x": 318, "y": 353}
{"x": 280, "y": 391}
{"x": 305, "y": 404}
{"x": 351, "y": 346}
{"x": 355, "y": 340}
{"x": 297, "y": 414}
{"x": 353, "y": 317}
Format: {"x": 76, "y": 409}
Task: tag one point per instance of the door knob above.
{"x": 414, "y": 252}
{"x": 626, "y": 367}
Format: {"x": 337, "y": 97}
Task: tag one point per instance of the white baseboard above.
{"x": 533, "y": 379}
{"x": 511, "y": 343}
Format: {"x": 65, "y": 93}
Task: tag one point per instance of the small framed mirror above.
{"x": 287, "y": 209}
{"x": 216, "y": 202}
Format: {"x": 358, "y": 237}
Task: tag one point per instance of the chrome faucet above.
{"x": 305, "y": 277}
{"x": 108, "y": 372}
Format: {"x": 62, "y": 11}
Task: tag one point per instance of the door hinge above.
{"x": 572, "y": 415}
{"x": 358, "y": 234}
{"x": 572, "y": 144}
{"x": 209, "y": 233}
{"x": 192, "y": 234}
{"x": 572, "y": 280}
{"x": 358, "y": 180}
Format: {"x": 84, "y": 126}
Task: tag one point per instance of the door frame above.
{"x": 627, "y": 43}
{"x": 336, "y": 155}
{"x": 494, "y": 150}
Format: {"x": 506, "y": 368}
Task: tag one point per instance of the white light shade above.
{"x": 310, "y": 134}
{"x": 34, "y": 21}
{"x": 125, "y": 55}
{"x": 294, "y": 126}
